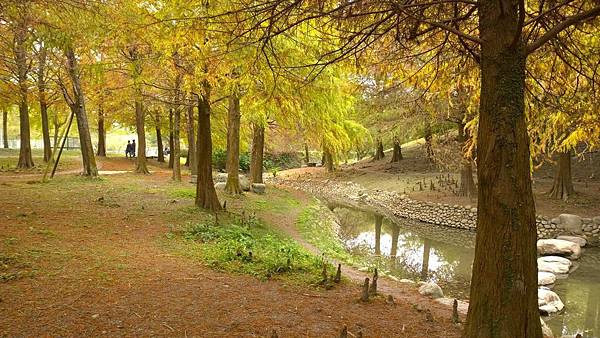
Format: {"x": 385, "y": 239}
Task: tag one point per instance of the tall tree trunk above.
{"x": 176, "y": 151}
{"x": 467, "y": 184}
{"x": 191, "y": 140}
{"x": 397, "y": 152}
{"x": 206, "y": 195}
{"x": 562, "y": 187}
{"x": 306, "y": 153}
{"x": 5, "y": 128}
{"x": 233, "y": 146}
{"x": 101, "y": 132}
{"x": 140, "y": 114}
{"x": 328, "y": 158}
{"x": 503, "y": 300}
{"x": 41, "y": 82}
{"x": 378, "y": 222}
{"x": 171, "y": 138}
{"x": 25, "y": 157}
{"x": 78, "y": 107}
{"x": 159, "y": 143}
{"x": 428, "y": 142}
{"x": 256, "y": 160}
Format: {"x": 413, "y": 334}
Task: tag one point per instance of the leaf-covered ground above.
{"x": 127, "y": 255}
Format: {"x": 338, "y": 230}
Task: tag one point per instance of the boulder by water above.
{"x": 558, "y": 247}
{"x": 554, "y": 264}
{"x": 432, "y": 290}
{"x": 546, "y": 278}
{"x": 575, "y": 239}
{"x": 220, "y": 185}
{"x": 258, "y": 188}
{"x": 549, "y": 302}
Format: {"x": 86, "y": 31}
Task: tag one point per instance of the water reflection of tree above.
{"x": 592, "y": 311}
{"x": 378, "y": 221}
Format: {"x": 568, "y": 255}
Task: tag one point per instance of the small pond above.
{"x": 420, "y": 251}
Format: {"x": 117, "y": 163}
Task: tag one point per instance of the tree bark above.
{"x": 206, "y": 195}
{"x": 328, "y": 160}
{"x": 191, "y": 158}
{"x": 5, "y": 128}
{"x": 503, "y": 300}
{"x": 428, "y": 142}
{"x": 159, "y": 143}
{"x": 101, "y": 133}
{"x": 171, "y": 138}
{"x": 395, "y": 235}
{"x": 562, "y": 187}
{"x": 467, "y": 184}
{"x": 378, "y": 222}
{"x": 306, "y": 153}
{"x": 140, "y": 114}
{"x": 397, "y": 152}
{"x": 78, "y": 107}
{"x": 379, "y": 152}
{"x": 25, "y": 156}
{"x": 176, "y": 151}
{"x": 42, "y": 97}
{"x": 233, "y": 146}
{"x": 256, "y": 160}
{"x": 426, "y": 254}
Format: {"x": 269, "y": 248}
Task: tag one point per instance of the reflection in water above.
{"x": 431, "y": 253}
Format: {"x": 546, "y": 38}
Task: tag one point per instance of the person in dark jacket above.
{"x": 133, "y": 148}
{"x": 128, "y": 149}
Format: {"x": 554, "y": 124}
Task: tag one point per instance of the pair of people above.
{"x": 130, "y": 149}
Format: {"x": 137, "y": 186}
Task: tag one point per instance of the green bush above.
{"x": 219, "y": 160}
{"x": 248, "y": 247}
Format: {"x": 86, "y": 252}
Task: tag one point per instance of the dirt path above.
{"x": 88, "y": 258}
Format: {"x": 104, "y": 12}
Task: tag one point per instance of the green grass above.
{"x": 246, "y": 246}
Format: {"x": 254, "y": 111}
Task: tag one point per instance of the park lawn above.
{"x": 130, "y": 255}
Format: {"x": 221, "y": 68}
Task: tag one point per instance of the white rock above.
{"x": 220, "y": 177}
{"x": 554, "y": 264}
{"x": 407, "y": 281}
{"x": 549, "y": 302}
{"x": 546, "y": 278}
{"x": 244, "y": 183}
{"x": 432, "y": 290}
{"x": 579, "y": 240}
{"x": 558, "y": 247}
{"x": 220, "y": 185}
{"x": 570, "y": 222}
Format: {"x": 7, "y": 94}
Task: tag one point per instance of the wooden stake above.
{"x": 338, "y": 274}
{"x": 455, "y": 318}
{"x": 365, "y": 291}
{"x": 373, "y": 288}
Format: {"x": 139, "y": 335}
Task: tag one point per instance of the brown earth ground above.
{"x": 91, "y": 257}
{"x": 404, "y": 177}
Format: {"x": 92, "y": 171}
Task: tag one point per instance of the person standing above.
{"x": 133, "y": 148}
{"x": 128, "y": 149}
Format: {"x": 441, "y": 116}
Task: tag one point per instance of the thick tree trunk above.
{"x": 256, "y": 160}
{"x": 25, "y": 157}
{"x": 562, "y": 187}
{"x": 467, "y": 184}
{"x": 428, "y": 142}
{"x": 140, "y": 114}
{"x": 5, "y": 128}
{"x": 101, "y": 133}
{"x": 397, "y": 152}
{"x": 171, "y": 138}
{"x": 378, "y": 222}
{"x": 176, "y": 151}
{"x": 233, "y": 146}
{"x": 159, "y": 142}
{"x": 206, "y": 195}
{"x": 503, "y": 300}
{"x": 191, "y": 158}
{"x": 78, "y": 107}
{"x": 41, "y": 82}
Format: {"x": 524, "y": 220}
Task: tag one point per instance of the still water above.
{"x": 419, "y": 251}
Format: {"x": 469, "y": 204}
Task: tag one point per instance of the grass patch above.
{"x": 187, "y": 192}
{"x": 12, "y": 267}
{"x": 249, "y": 247}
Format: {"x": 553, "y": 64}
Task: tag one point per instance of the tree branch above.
{"x": 572, "y": 20}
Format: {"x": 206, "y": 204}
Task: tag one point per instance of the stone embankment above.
{"x": 455, "y": 216}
